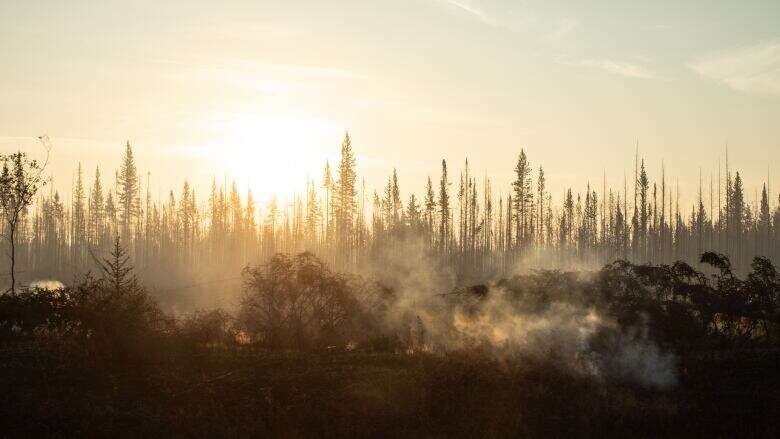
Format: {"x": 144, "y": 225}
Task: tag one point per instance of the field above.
{"x": 244, "y": 391}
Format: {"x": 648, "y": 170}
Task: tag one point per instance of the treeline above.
{"x": 478, "y": 229}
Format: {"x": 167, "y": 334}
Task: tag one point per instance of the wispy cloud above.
{"x": 296, "y": 70}
{"x": 754, "y": 69}
{"x": 272, "y": 78}
{"x": 427, "y": 114}
{"x": 491, "y": 14}
{"x": 621, "y": 68}
{"x": 656, "y": 27}
{"x": 564, "y": 28}
{"x": 471, "y": 8}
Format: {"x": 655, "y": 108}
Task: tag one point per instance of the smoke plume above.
{"x": 528, "y": 316}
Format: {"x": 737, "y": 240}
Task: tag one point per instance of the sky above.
{"x": 263, "y": 91}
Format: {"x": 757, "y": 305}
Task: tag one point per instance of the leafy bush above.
{"x": 296, "y": 302}
{"x": 208, "y": 328}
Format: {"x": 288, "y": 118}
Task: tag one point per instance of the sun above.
{"x": 274, "y": 155}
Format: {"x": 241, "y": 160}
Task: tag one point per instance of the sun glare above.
{"x": 274, "y": 155}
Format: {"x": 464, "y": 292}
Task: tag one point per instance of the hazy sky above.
{"x": 265, "y": 89}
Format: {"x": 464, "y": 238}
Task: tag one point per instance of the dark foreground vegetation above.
{"x": 310, "y": 353}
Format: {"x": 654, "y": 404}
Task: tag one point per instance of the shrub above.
{"x": 210, "y": 328}
{"x": 296, "y": 302}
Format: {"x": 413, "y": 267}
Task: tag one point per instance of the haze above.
{"x": 263, "y": 91}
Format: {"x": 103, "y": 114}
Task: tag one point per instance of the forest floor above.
{"x": 247, "y": 392}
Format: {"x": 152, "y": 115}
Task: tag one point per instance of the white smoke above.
{"x": 574, "y": 336}
{"x": 577, "y": 338}
{"x": 47, "y": 284}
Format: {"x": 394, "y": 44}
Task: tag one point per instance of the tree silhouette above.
{"x": 444, "y": 209}
{"x": 176, "y": 238}
{"x": 20, "y": 179}
{"x": 117, "y": 269}
{"x": 127, "y": 191}
{"x": 345, "y": 204}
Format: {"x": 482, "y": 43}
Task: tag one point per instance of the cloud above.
{"x": 656, "y": 27}
{"x": 754, "y": 69}
{"x": 426, "y": 114}
{"x": 563, "y": 29}
{"x": 491, "y": 15}
{"x": 472, "y": 9}
{"x": 614, "y": 67}
{"x": 273, "y": 79}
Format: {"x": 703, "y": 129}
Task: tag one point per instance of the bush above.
{"x": 296, "y": 302}
{"x": 112, "y": 316}
{"x": 211, "y": 328}
{"x": 111, "y": 322}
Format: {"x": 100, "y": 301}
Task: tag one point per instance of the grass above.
{"x": 247, "y": 392}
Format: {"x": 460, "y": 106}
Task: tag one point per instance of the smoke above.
{"x": 543, "y": 316}
{"x": 539, "y": 258}
{"x": 47, "y": 284}
{"x": 574, "y": 337}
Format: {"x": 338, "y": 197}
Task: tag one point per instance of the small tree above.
{"x": 20, "y": 180}
{"x": 296, "y": 302}
{"x": 117, "y": 269}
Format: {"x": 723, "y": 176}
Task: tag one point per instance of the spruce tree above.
{"x": 644, "y": 185}
{"x": 345, "y": 205}
{"x": 117, "y": 270}
{"x": 397, "y": 208}
{"x": 250, "y": 224}
{"x": 127, "y": 191}
{"x": 737, "y": 207}
{"x": 413, "y": 214}
{"x": 430, "y": 207}
{"x": 78, "y": 220}
{"x": 444, "y": 208}
{"x": 522, "y": 197}
{"x": 312, "y": 213}
{"x": 96, "y": 210}
{"x": 568, "y": 213}
{"x": 764, "y": 224}
{"x": 111, "y": 214}
{"x": 540, "y": 186}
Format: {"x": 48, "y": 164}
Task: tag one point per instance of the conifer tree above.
{"x": 78, "y": 219}
{"x": 328, "y": 185}
{"x": 620, "y": 231}
{"x": 236, "y": 210}
{"x": 397, "y": 208}
{"x": 187, "y": 217}
{"x": 273, "y": 214}
{"x": 111, "y": 214}
{"x": 96, "y": 209}
{"x": 413, "y": 214}
{"x": 312, "y": 213}
{"x": 117, "y": 270}
{"x": 127, "y": 191}
{"x": 764, "y": 224}
{"x": 217, "y": 230}
{"x": 345, "y": 205}
{"x": 736, "y": 219}
{"x": 509, "y": 218}
{"x": 522, "y": 197}
{"x": 250, "y": 223}
{"x": 775, "y": 231}
{"x": 444, "y": 208}
{"x": 430, "y": 207}
{"x": 540, "y": 186}
{"x": 644, "y": 184}
{"x": 568, "y": 209}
